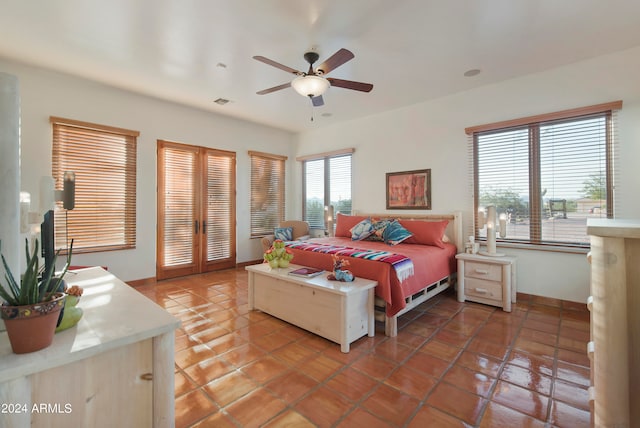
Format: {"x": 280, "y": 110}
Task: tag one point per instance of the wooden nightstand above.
{"x": 488, "y": 280}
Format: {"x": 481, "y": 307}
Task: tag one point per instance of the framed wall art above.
{"x": 409, "y": 190}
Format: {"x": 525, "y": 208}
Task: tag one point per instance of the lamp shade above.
{"x": 310, "y": 86}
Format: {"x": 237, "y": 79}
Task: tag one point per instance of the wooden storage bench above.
{"x": 339, "y": 311}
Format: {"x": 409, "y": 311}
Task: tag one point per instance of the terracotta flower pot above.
{"x": 31, "y": 327}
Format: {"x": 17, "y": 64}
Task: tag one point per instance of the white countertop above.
{"x": 115, "y": 315}
{"x": 319, "y": 281}
{"x": 614, "y": 228}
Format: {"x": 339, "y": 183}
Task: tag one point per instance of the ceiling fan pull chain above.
{"x": 311, "y": 100}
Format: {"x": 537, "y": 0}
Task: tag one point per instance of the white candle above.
{"x": 481, "y": 218}
{"x": 503, "y": 225}
{"x": 491, "y": 229}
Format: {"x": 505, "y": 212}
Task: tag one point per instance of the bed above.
{"x": 431, "y": 250}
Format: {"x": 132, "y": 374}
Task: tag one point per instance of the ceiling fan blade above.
{"x": 275, "y": 88}
{"x": 335, "y": 61}
{"x": 350, "y": 84}
{"x": 276, "y": 64}
{"x": 317, "y": 101}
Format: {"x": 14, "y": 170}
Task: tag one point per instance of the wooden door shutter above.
{"x": 177, "y": 208}
{"x": 219, "y": 207}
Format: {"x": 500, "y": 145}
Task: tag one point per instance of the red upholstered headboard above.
{"x": 453, "y": 230}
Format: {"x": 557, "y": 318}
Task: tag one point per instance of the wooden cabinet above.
{"x": 488, "y": 280}
{"x": 115, "y": 368}
{"x": 339, "y": 311}
{"x": 614, "y": 303}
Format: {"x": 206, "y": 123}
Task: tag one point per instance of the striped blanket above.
{"x": 402, "y": 265}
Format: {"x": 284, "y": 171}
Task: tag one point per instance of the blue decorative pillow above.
{"x": 394, "y": 233}
{"x": 284, "y": 233}
{"x": 378, "y": 230}
{"x": 361, "y": 230}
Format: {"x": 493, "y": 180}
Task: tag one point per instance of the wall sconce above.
{"x": 491, "y": 221}
{"x": 328, "y": 219}
{"x": 69, "y": 190}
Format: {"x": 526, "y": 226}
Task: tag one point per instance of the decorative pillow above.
{"x": 344, "y": 223}
{"x": 362, "y": 230}
{"x": 378, "y": 230}
{"x": 394, "y": 233}
{"x": 425, "y": 232}
{"x": 284, "y": 233}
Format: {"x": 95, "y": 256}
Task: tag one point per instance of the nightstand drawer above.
{"x": 481, "y": 288}
{"x": 490, "y": 272}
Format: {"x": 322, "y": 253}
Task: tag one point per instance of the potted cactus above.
{"x": 278, "y": 256}
{"x": 31, "y": 308}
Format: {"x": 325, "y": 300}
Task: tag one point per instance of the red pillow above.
{"x": 425, "y": 232}
{"x": 344, "y": 223}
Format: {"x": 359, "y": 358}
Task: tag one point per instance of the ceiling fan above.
{"x": 313, "y": 84}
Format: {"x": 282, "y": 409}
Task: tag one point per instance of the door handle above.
{"x": 197, "y": 227}
{"x": 204, "y": 227}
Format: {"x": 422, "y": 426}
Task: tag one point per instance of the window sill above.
{"x": 536, "y": 247}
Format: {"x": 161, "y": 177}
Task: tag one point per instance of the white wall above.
{"x": 431, "y": 135}
{"x": 45, "y": 93}
{"x": 426, "y": 135}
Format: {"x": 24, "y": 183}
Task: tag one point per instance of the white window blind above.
{"x": 267, "y": 192}
{"x": 179, "y": 190}
{"x": 327, "y": 181}
{"x": 314, "y": 193}
{"x": 103, "y": 159}
{"x": 548, "y": 176}
{"x": 340, "y": 184}
{"x": 220, "y": 225}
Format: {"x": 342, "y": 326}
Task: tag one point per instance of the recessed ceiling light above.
{"x": 221, "y": 65}
{"x": 472, "y": 72}
{"x": 221, "y": 101}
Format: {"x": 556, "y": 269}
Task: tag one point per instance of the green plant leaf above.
{"x": 13, "y": 285}
{"x": 46, "y": 290}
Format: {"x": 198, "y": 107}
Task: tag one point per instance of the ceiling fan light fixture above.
{"x": 310, "y": 86}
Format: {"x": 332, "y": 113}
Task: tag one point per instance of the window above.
{"x": 267, "y": 192}
{"x": 547, "y": 174}
{"x": 103, "y": 159}
{"x": 327, "y": 181}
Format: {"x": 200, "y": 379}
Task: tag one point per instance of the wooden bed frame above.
{"x": 454, "y": 232}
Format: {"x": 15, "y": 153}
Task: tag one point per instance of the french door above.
{"x": 196, "y": 210}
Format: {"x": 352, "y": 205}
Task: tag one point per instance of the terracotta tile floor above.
{"x": 451, "y": 365}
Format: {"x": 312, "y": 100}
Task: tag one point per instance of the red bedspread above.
{"x": 430, "y": 265}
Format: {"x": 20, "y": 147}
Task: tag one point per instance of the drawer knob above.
{"x": 590, "y": 350}
{"x": 481, "y": 290}
{"x": 482, "y": 271}
{"x": 590, "y": 303}
{"x": 592, "y": 393}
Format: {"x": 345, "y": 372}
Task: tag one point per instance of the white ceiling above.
{"x": 411, "y": 50}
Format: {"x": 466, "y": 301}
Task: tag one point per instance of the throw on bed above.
{"x": 402, "y": 265}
